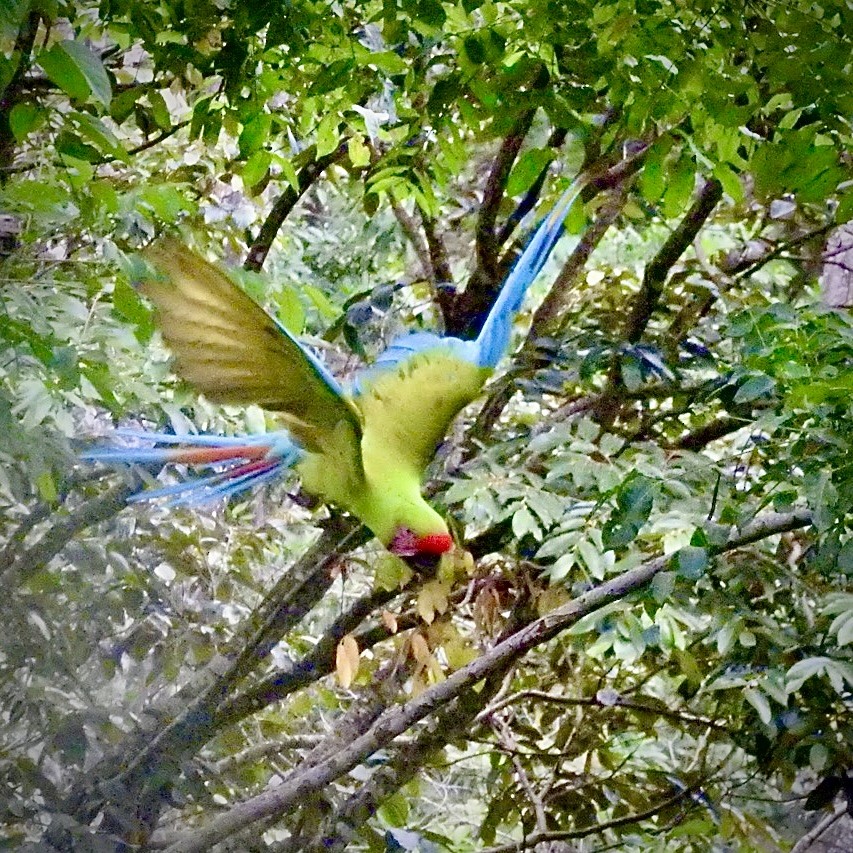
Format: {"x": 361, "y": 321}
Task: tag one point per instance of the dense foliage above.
{"x": 645, "y": 639}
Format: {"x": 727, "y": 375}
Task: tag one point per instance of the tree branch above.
{"x": 406, "y": 758}
{"x": 262, "y": 244}
{"x": 593, "y": 829}
{"x": 28, "y": 562}
{"x": 549, "y": 315}
{"x": 657, "y": 271}
{"x": 465, "y": 312}
{"x": 418, "y": 241}
{"x": 737, "y": 266}
{"x": 558, "y": 137}
{"x": 619, "y": 702}
{"x": 320, "y": 661}
{"x": 701, "y": 436}
{"x": 13, "y": 93}
{"x": 398, "y": 719}
{"x": 486, "y": 242}
{"x": 805, "y": 843}
{"x": 142, "y": 771}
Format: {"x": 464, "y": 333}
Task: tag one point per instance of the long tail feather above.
{"x": 493, "y": 339}
{"x": 248, "y": 460}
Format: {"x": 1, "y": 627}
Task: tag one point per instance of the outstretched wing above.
{"x": 410, "y": 395}
{"x": 232, "y": 351}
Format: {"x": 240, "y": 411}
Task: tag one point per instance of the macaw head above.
{"x": 420, "y": 552}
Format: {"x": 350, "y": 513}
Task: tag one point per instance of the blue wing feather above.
{"x": 493, "y": 341}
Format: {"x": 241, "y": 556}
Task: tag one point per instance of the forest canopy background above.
{"x": 649, "y": 646}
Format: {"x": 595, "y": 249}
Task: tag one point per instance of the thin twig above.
{"x": 619, "y": 702}
{"x": 819, "y": 828}
{"x": 418, "y": 241}
{"x": 262, "y": 244}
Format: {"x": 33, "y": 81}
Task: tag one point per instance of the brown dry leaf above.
{"x": 389, "y": 620}
{"x": 486, "y": 610}
{"x": 347, "y": 660}
{"x": 420, "y": 649}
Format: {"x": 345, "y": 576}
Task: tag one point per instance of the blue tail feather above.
{"x": 241, "y": 472}
{"x": 200, "y": 491}
{"x": 204, "y": 439}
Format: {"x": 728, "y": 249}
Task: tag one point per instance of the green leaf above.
{"x": 730, "y": 180}
{"x": 844, "y": 213}
{"x": 842, "y": 627}
{"x": 691, "y": 562}
{"x": 254, "y": 134}
{"x": 327, "y": 134}
{"x": 524, "y": 523}
{"x": 128, "y": 304}
{"x": 166, "y": 200}
{"x": 474, "y": 51}
{"x": 394, "y": 811}
{"x": 77, "y": 71}
{"x": 93, "y": 129}
{"x": 388, "y": 61}
{"x": 679, "y": 188}
{"x": 256, "y": 168}
{"x": 24, "y": 119}
{"x": 103, "y": 382}
{"x": 818, "y": 757}
{"x": 332, "y": 77}
{"x": 634, "y": 502}
{"x": 592, "y": 558}
{"x": 663, "y": 585}
{"x": 430, "y": 12}
{"x": 591, "y": 621}
{"x": 291, "y": 314}
{"x": 803, "y": 670}
{"x": 71, "y": 145}
{"x": 754, "y": 388}
{"x": 201, "y": 114}
{"x": 527, "y": 169}
{"x": 160, "y": 110}
{"x": 122, "y": 105}
{"x": 391, "y": 573}
{"x": 47, "y": 487}
{"x": 632, "y": 372}
{"x": 652, "y": 181}
{"x": 321, "y": 302}
{"x": 359, "y": 153}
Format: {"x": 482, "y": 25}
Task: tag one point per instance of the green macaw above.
{"x": 365, "y": 449}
